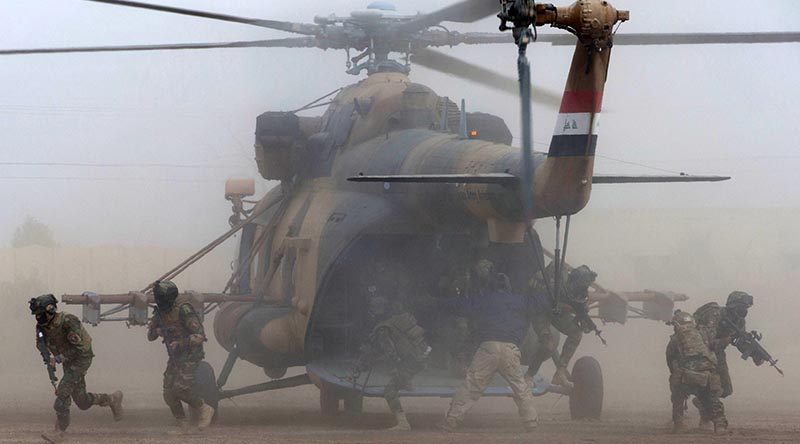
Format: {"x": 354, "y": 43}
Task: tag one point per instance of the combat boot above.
{"x": 705, "y": 425}
{"x": 204, "y": 415}
{"x": 116, "y": 405}
{"x": 721, "y": 427}
{"x": 182, "y": 427}
{"x": 679, "y": 426}
{"x": 562, "y": 378}
{"x": 53, "y": 437}
{"x": 447, "y": 425}
{"x": 402, "y": 423}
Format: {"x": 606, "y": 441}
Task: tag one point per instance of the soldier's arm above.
{"x": 192, "y": 323}
{"x": 153, "y": 330}
{"x": 672, "y": 352}
{"x": 72, "y": 330}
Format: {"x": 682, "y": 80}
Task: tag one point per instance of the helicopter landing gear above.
{"x": 586, "y": 398}
{"x": 328, "y": 400}
{"x": 330, "y": 397}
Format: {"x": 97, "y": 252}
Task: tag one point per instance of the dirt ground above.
{"x": 292, "y": 416}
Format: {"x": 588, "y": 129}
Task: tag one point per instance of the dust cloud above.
{"x": 700, "y": 252}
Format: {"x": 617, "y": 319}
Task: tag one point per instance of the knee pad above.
{"x": 61, "y": 406}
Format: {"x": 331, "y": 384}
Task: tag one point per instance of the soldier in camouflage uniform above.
{"x": 397, "y": 339}
{"x": 177, "y": 323}
{"x": 570, "y": 320}
{"x": 70, "y": 344}
{"x": 693, "y": 371}
{"x": 709, "y": 317}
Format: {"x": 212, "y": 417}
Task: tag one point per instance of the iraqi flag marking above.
{"x": 576, "y": 124}
{"x": 581, "y": 102}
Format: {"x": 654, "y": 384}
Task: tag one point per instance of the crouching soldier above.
{"x": 693, "y": 371}
{"x": 63, "y": 336}
{"x": 398, "y": 340}
{"x": 179, "y": 326}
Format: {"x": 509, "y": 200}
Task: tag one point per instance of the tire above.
{"x": 205, "y": 385}
{"x": 353, "y": 403}
{"x": 586, "y": 399}
{"x": 328, "y": 400}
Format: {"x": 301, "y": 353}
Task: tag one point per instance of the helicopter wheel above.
{"x": 586, "y": 399}
{"x": 205, "y": 385}
{"x": 328, "y": 400}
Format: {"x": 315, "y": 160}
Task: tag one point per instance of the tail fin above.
{"x": 563, "y": 183}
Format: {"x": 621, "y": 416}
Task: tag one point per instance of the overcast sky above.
{"x": 716, "y": 109}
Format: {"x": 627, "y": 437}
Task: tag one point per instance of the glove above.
{"x": 174, "y": 346}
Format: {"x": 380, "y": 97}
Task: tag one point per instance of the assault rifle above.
{"x": 586, "y": 322}
{"x": 41, "y": 345}
{"x": 747, "y": 342}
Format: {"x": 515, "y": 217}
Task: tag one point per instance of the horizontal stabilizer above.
{"x": 656, "y": 179}
{"x": 493, "y": 178}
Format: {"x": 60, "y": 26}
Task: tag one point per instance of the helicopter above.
{"x": 393, "y": 186}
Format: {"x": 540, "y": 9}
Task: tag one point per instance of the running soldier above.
{"x": 693, "y": 371}
{"x": 718, "y": 323}
{"x": 571, "y": 320}
{"x": 62, "y": 339}
{"x": 398, "y": 340}
{"x": 179, "y": 326}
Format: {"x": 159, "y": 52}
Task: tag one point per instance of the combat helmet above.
{"x": 682, "y": 318}
{"x": 583, "y": 276}
{"x": 43, "y": 307}
{"x": 739, "y": 298}
{"x": 165, "y": 293}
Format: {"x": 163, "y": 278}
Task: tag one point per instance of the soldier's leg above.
{"x": 565, "y": 323}
{"x": 713, "y": 404}
{"x": 170, "y": 394}
{"x": 678, "y": 395}
{"x": 202, "y": 413}
{"x": 547, "y": 344}
{"x": 66, "y": 387}
{"x": 479, "y": 374}
{"x": 509, "y": 368}
{"x": 401, "y": 379}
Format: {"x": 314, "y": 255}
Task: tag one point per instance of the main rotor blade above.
{"x": 297, "y": 28}
{"x": 692, "y": 38}
{"x": 438, "y": 61}
{"x": 299, "y": 42}
{"x": 465, "y": 11}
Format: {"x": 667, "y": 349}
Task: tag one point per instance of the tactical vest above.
{"x": 172, "y": 328}
{"x": 408, "y": 337}
{"x": 56, "y": 337}
{"x": 694, "y": 351}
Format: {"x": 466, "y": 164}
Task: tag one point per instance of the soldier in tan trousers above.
{"x": 499, "y": 321}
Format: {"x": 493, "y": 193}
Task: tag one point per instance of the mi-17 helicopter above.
{"x": 394, "y": 186}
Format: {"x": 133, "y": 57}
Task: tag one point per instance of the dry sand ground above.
{"x": 292, "y": 416}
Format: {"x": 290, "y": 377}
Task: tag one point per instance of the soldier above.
{"x": 693, "y": 371}
{"x": 710, "y": 318}
{"x": 70, "y": 344}
{"x": 176, "y": 321}
{"x": 498, "y": 320}
{"x": 571, "y": 320}
{"x": 397, "y": 339}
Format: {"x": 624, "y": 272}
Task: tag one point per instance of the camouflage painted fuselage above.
{"x": 386, "y": 125}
